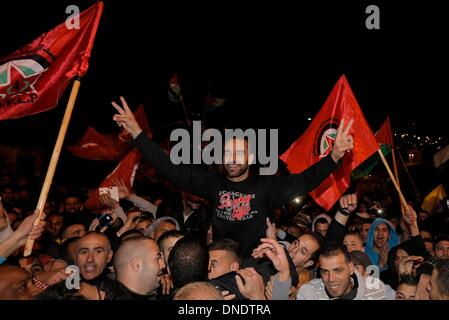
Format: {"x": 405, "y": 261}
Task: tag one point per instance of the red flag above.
{"x": 100, "y": 146}
{"x": 96, "y": 146}
{"x": 317, "y": 142}
{"x": 34, "y": 77}
{"x": 384, "y": 135}
{"x": 125, "y": 170}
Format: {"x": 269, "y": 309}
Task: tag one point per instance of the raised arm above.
{"x": 299, "y": 184}
{"x": 189, "y": 178}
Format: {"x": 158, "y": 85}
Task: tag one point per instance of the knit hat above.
{"x": 158, "y": 221}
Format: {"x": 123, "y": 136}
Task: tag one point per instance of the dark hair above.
{"x": 332, "y": 249}
{"x": 408, "y": 279}
{"x": 169, "y": 234}
{"x": 188, "y": 261}
{"x": 64, "y": 249}
{"x": 367, "y": 220}
{"x": 355, "y": 234}
{"x": 226, "y": 245}
{"x": 442, "y": 237}
{"x": 321, "y": 220}
{"x": 319, "y": 239}
{"x": 59, "y": 291}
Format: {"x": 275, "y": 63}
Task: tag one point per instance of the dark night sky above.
{"x": 275, "y": 61}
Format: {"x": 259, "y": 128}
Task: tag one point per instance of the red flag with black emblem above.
{"x": 125, "y": 171}
{"x": 317, "y": 142}
{"x": 34, "y": 77}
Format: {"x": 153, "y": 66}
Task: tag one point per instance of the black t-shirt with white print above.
{"x": 240, "y": 209}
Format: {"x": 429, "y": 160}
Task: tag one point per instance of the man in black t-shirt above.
{"x": 241, "y": 203}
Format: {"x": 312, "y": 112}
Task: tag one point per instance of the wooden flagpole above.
{"x": 54, "y": 161}
{"x": 395, "y": 167}
{"x": 396, "y": 185}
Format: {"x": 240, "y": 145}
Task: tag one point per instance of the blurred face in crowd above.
{"x": 363, "y": 207}
{"x": 7, "y": 195}
{"x": 192, "y": 201}
{"x": 222, "y": 262}
{"x": 321, "y": 228}
{"x": 15, "y": 283}
{"x": 401, "y": 255}
{"x": 162, "y": 228}
{"x": 93, "y": 254}
{"x": 423, "y": 215}
{"x": 364, "y": 231}
{"x": 75, "y": 230}
{"x": 54, "y": 224}
{"x": 301, "y": 250}
{"x": 294, "y": 231}
{"x": 72, "y": 205}
{"x": 235, "y": 158}
{"x": 31, "y": 264}
{"x": 167, "y": 245}
{"x": 143, "y": 225}
{"x": 442, "y": 250}
{"x": 353, "y": 242}
{"x": 405, "y": 292}
{"x": 381, "y": 235}
{"x": 336, "y": 274}
{"x": 430, "y": 247}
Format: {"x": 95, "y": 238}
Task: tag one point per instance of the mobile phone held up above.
{"x": 104, "y": 220}
{"x": 112, "y": 191}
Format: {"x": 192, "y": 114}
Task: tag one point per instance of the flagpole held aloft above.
{"x": 54, "y": 161}
{"x": 401, "y": 196}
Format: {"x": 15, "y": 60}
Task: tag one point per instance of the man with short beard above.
{"x": 341, "y": 280}
{"x": 93, "y": 253}
{"x": 241, "y": 203}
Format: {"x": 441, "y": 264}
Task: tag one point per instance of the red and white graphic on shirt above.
{"x": 236, "y": 206}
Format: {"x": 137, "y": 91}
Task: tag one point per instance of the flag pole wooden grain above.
{"x": 393, "y": 179}
{"x": 53, "y": 162}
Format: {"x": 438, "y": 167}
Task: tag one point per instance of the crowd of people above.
{"x": 215, "y": 236}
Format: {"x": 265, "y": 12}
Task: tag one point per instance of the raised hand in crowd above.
{"x": 123, "y": 191}
{"x": 276, "y": 253}
{"x": 410, "y": 218}
{"x": 271, "y": 230}
{"x": 25, "y": 230}
{"x": 383, "y": 255}
{"x": 4, "y": 223}
{"x": 108, "y": 202}
{"x": 125, "y": 118}
{"x": 407, "y": 266}
{"x": 131, "y": 222}
{"x": 250, "y": 284}
{"x": 348, "y": 204}
{"x": 344, "y": 142}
